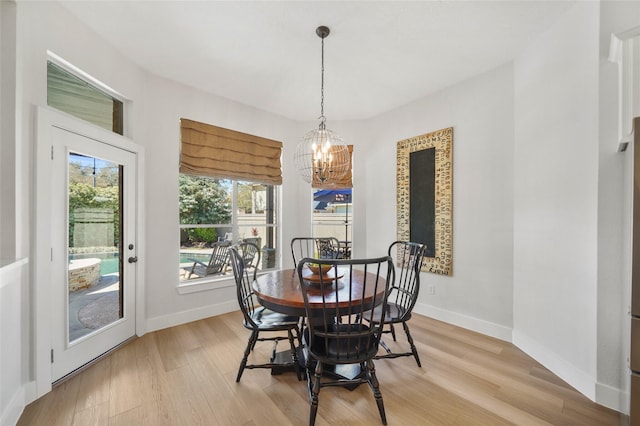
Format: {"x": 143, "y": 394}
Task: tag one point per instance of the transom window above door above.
{"x": 76, "y": 96}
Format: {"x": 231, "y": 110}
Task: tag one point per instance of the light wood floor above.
{"x": 185, "y": 375}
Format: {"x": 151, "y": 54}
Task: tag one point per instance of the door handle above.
{"x": 133, "y": 259}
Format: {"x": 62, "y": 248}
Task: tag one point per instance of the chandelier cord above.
{"x": 322, "y": 117}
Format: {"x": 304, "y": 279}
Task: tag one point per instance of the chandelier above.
{"x": 321, "y": 156}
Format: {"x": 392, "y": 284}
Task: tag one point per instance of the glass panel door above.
{"x": 94, "y": 246}
{"x": 93, "y": 253}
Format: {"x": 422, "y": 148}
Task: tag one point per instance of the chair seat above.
{"x": 267, "y": 319}
{"x": 345, "y": 349}
{"x": 395, "y": 313}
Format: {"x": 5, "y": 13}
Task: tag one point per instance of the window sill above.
{"x": 205, "y": 285}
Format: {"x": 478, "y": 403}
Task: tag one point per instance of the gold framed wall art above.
{"x": 424, "y": 196}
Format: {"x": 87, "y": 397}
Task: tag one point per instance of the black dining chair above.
{"x": 353, "y": 341}
{"x": 258, "y": 319}
{"x": 302, "y": 247}
{"x": 403, "y": 294}
{"x": 314, "y": 247}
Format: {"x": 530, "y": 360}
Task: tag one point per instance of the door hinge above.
{"x": 51, "y": 356}
{"x": 52, "y": 152}
{"x": 52, "y": 254}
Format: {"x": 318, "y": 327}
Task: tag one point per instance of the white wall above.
{"x": 7, "y": 129}
{"x": 556, "y": 197}
{"x": 165, "y": 103}
{"x": 614, "y": 216}
{"x": 478, "y": 294}
{"x": 14, "y": 285}
{"x": 15, "y": 336}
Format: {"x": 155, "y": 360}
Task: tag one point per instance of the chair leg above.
{"x": 314, "y": 391}
{"x": 414, "y": 350}
{"x": 300, "y": 329}
{"x": 253, "y": 344}
{"x": 294, "y": 355}
{"x": 375, "y": 387}
{"x": 385, "y": 347}
{"x": 393, "y": 332}
{"x": 252, "y": 341}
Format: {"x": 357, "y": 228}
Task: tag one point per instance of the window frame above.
{"x": 227, "y": 279}
{"x": 97, "y": 85}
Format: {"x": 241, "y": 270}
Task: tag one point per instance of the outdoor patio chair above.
{"x": 314, "y": 247}
{"x": 218, "y": 262}
{"x": 250, "y": 254}
{"x": 328, "y": 248}
{"x": 253, "y": 240}
{"x": 403, "y": 294}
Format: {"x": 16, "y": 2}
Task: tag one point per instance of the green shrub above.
{"x": 207, "y": 235}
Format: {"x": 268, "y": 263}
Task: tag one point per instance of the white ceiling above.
{"x": 379, "y": 55}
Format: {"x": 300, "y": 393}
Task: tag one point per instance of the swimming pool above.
{"x": 109, "y": 261}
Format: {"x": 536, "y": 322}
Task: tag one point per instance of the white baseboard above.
{"x": 30, "y": 393}
{"x": 470, "y": 323}
{"x": 613, "y": 398}
{"x": 12, "y": 412}
{"x": 605, "y": 395}
{"x": 183, "y": 317}
{"x": 600, "y": 393}
{"x": 583, "y": 382}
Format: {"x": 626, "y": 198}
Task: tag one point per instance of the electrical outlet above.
{"x": 431, "y": 289}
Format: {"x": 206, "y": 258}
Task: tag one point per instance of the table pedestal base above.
{"x": 284, "y": 360}
{"x": 336, "y": 372}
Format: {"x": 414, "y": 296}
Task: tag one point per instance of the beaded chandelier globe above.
{"x": 321, "y": 156}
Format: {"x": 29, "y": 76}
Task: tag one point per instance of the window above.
{"x": 214, "y": 211}
{"x": 332, "y": 216}
{"x": 228, "y": 194}
{"x": 75, "y": 96}
{"x": 333, "y": 210}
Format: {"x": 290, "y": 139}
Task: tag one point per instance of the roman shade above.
{"x": 345, "y": 182}
{"x": 227, "y": 154}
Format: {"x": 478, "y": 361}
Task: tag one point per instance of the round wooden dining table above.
{"x": 281, "y": 291}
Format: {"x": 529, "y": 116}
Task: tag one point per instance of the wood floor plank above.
{"x": 54, "y": 408}
{"x": 94, "y": 386}
{"x": 172, "y": 342}
{"x": 158, "y": 406}
{"x": 125, "y": 389}
{"x": 127, "y": 418}
{"x": 185, "y": 375}
{"x": 97, "y": 415}
{"x": 188, "y": 397}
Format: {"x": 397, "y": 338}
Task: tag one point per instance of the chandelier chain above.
{"x": 322, "y": 117}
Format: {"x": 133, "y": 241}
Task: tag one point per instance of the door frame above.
{"x": 41, "y": 239}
